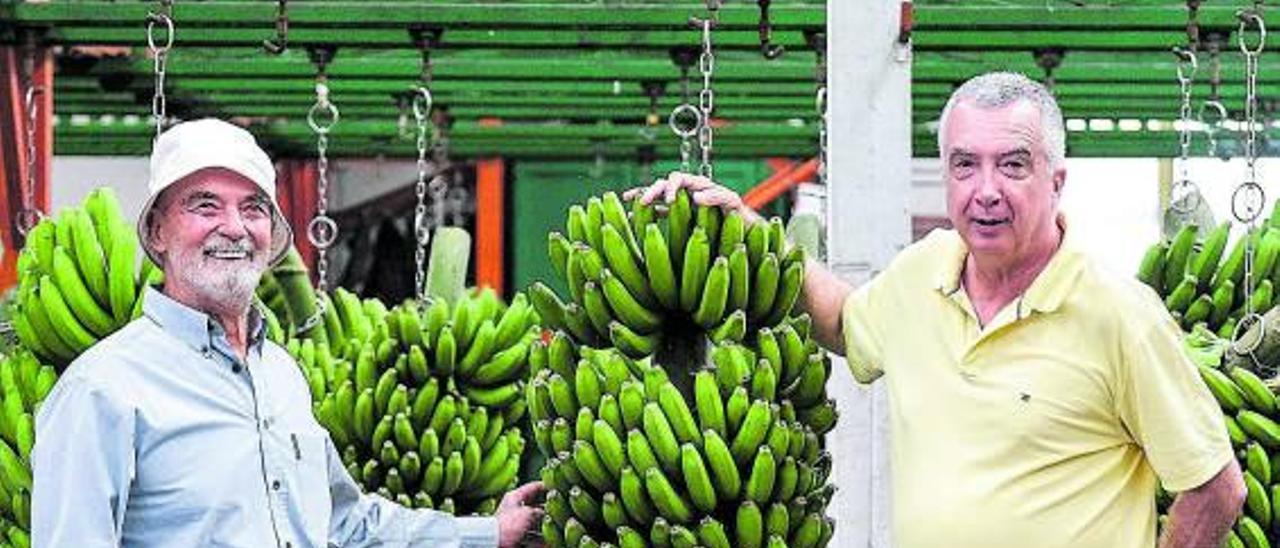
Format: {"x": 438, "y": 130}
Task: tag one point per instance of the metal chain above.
{"x": 159, "y": 55}
{"x": 29, "y": 216}
{"x": 1249, "y": 198}
{"x": 820, "y": 103}
{"x": 323, "y": 230}
{"x": 421, "y": 231}
{"x": 685, "y": 131}
{"x": 438, "y": 187}
{"x": 706, "y": 98}
{"x": 1213, "y": 105}
{"x": 1184, "y": 195}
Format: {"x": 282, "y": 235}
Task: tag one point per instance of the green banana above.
{"x": 1260, "y": 428}
{"x": 589, "y": 463}
{"x": 1175, "y": 265}
{"x": 629, "y": 311}
{"x": 78, "y": 297}
{"x": 788, "y": 292}
{"x": 715, "y": 295}
{"x": 749, "y": 526}
{"x": 1229, "y": 396}
{"x": 661, "y": 436}
{"x": 1151, "y": 269}
{"x": 679, "y": 227}
{"x": 696, "y": 478}
{"x": 1181, "y": 295}
{"x": 622, "y": 262}
{"x": 678, "y": 415}
{"x": 61, "y": 317}
{"x": 754, "y": 428}
{"x": 89, "y": 257}
{"x": 739, "y": 279}
{"x": 558, "y": 250}
{"x": 1205, "y": 263}
{"x": 694, "y": 271}
{"x": 669, "y": 503}
{"x": 121, "y": 285}
{"x": 661, "y": 273}
{"x": 1256, "y": 394}
{"x": 631, "y": 343}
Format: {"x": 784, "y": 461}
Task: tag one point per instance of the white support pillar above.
{"x": 869, "y": 222}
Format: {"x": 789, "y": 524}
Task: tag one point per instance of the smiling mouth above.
{"x": 990, "y": 222}
{"x": 227, "y": 254}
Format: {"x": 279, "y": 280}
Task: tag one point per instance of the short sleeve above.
{"x": 1168, "y": 410}
{"x": 863, "y": 343}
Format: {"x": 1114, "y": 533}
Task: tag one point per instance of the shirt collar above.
{"x": 1045, "y": 294}
{"x": 195, "y": 328}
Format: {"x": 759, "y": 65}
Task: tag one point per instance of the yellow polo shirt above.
{"x": 1048, "y": 427}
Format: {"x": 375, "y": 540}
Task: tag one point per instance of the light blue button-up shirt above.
{"x": 159, "y": 436}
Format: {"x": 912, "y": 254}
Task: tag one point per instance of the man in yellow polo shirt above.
{"x": 1035, "y": 398}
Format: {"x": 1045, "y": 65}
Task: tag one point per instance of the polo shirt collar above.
{"x": 1050, "y": 288}
{"x": 195, "y": 328}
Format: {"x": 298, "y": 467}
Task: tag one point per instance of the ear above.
{"x": 1059, "y": 181}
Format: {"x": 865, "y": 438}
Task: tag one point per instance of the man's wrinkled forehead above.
{"x": 997, "y": 131}
{"x": 207, "y": 183}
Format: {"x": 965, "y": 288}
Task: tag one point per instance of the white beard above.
{"x": 227, "y": 285}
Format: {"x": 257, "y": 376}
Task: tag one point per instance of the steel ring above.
{"x": 322, "y": 231}
{"x": 1245, "y": 16}
{"x": 322, "y": 108}
{"x": 152, "y": 19}
{"x": 27, "y": 219}
{"x": 1253, "y": 212}
{"x": 421, "y": 102}
{"x": 1242, "y": 328}
{"x": 685, "y": 109}
{"x": 1179, "y": 205}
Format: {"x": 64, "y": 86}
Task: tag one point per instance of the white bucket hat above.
{"x": 189, "y": 147}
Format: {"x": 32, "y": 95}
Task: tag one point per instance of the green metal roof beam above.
{"x": 604, "y": 67}
{"x": 354, "y": 14}
{"x": 1107, "y": 17}
{"x": 453, "y": 39}
{"x": 144, "y": 82}
{"x": 754, "y": 114}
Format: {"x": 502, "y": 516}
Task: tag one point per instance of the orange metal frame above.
{"x": 13, "y": 150}
{"x": 781, "y": 181}
{"x": 490, "y": 222}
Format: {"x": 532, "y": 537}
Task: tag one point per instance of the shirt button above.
{"x": 275, "y": 485}
{"x": 236, "y": 369}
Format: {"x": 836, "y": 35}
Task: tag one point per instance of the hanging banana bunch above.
{"x": 1202, "y": 282}
{"x": 24, "y": 383}
{"x": 679, "y": 401}
{"x": 79, "y": 280}
{"x": 424, "y": 405}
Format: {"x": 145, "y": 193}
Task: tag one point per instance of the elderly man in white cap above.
{"x": 187, "y": 428}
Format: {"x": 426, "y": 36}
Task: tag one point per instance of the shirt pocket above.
{"x": 311, "y": 470}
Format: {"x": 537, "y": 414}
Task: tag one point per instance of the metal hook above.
{"x": 769, "y": 49}
{"x": 280, "y": 42}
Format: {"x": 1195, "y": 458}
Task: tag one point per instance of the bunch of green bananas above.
{"x": 24, "y": 383}
{"x": 78, "y": 279}
{"x": 423, "y": 404}
{"x": 632, "y": 463}
{"x": 1202, "y": 283}
{"x": 1251, "y": 413}
{"x": 637, "y": 281}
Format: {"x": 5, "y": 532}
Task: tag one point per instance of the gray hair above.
{"x": 999, "y": 89}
